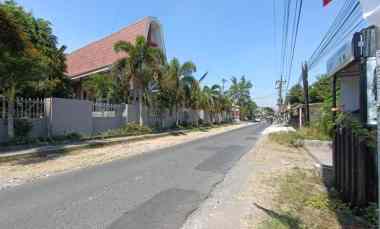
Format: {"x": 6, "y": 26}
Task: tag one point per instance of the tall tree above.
{"x": 41, "y": 71}
{"x": 240, "y": 94}
{"x": 179, "y": 77}
{"x": 320, "y": 89}
{"x": 100, "y": 86}
{"x": 18, "y": 60}
{"x": 240, "y": 90}
{"x": 139, "y": 69}
{"x": 295, "y": 95}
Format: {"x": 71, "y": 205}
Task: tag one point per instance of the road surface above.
{"x": 153, "y": 190}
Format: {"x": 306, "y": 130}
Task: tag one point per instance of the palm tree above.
{"x": 177, "y": 77}
{"x": 139, "y": 69}
{"x": 209, "y": 99}
{"x": 240, "y": 90}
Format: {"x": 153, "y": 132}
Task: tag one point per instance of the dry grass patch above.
{"x": 301, "y": 201}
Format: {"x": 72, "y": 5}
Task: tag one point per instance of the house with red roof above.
{"x": 99, "y": 56}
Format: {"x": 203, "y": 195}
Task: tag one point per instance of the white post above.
{"x": 48, "y": 104}
{"x": 11, "y": 133}
{"x": 125, "y": 113}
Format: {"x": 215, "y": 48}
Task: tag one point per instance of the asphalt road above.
{"x": 153, "y": 190}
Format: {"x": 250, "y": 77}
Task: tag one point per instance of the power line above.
{"x": 332, "y": 28}
{"x": 343, "y": 23}
{"x": 285, "y": 33}
{"x": 296, "y": 25}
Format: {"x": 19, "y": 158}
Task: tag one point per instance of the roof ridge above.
{"x": 110, "y": 35}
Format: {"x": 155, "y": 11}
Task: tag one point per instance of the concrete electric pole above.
{"x": 306, "y": 92}
{"x": 279, "y": 86}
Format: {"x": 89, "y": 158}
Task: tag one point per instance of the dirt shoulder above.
{"x": 273, "y": 186}
{"x": 28, "y": 169}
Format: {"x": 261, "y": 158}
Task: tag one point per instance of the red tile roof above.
{"x": 100, "y": 54}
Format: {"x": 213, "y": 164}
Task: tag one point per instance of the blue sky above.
{"x": 226, "y": 38}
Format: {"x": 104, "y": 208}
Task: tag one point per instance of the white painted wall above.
{"x": 350, "y": 93}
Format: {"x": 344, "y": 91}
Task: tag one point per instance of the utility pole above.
{"x": 306, "y": 92}
{"x": 279, "y": 85}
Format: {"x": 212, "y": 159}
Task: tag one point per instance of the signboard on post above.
{"x": 340, "y": 59}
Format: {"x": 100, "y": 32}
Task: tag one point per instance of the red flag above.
{"x": 326, "y": 2}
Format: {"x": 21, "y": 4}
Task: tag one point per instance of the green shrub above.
{"x": 130, "y": 129}
{"x": 371, "y": 214}
{"x": 313, "y": 133}
{"x": 22, "y": 127}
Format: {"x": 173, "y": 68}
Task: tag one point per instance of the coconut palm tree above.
{"x": 209, "y": 99}
{"x": 178, "y": 77}
{"x": 240, "y": 94}
{"x": 138, "y": 69}
{"x": 240, "y": 90}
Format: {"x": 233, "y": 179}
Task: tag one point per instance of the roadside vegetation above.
{"x": 302, "y": 202}
{"x": 319, "y": 92}
{"x": 302, "y": 199}
{"x": 33, "y": 64}
{"x": 128, "y": 130}
{"x": 300, "y": 196}
{"x": 296, "y": 138}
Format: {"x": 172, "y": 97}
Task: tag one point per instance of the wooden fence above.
{"x": 354, "y": 168}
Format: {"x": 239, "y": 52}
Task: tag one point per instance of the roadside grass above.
{"x": 313, "y": 133}
{"x": 291, "y": 138}
{"x": 131, "y": 129}
{"x": 295, "y": 138}
{"x": 302, "y": 202}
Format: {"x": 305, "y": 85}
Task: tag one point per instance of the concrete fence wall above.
{"x": 65, "y": 116}
{"x": 3, "y": 130}
{"x": 39, "y": 129}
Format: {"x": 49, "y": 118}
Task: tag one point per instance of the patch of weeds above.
{"x": 290, "y": 138}
{"x": 131, "y": 129}
{"x": 302, "y": 198}
{"x": 371, "y": 214}
{"x": 280, "y": 223}
{"x": 44, "y": 140}
{"x": 313, "y": 133}
{"x": 295, "y": 138}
